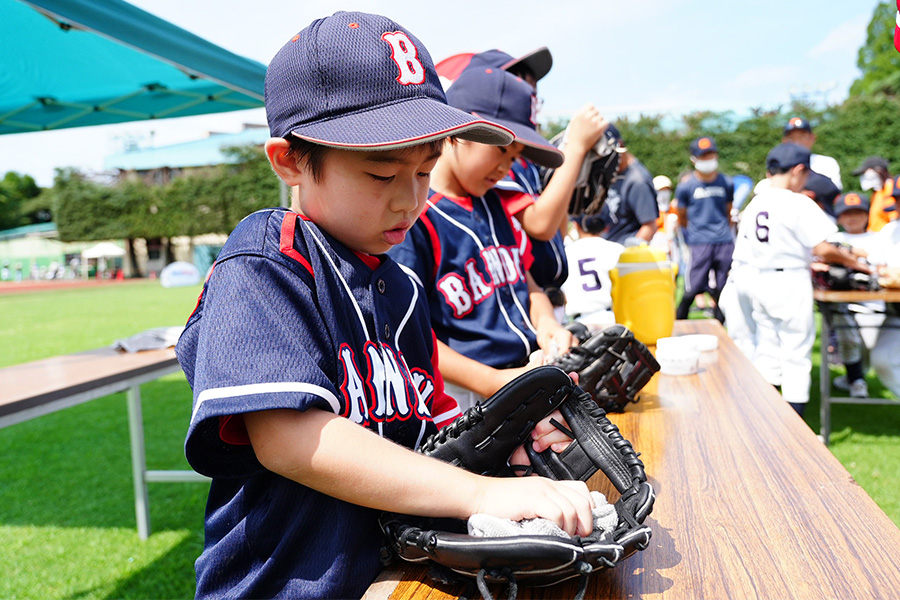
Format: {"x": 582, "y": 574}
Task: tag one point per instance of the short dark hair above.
{"x": 314, "y": 154}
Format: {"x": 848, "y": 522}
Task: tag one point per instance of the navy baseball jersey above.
{"x": 708, "y": 221}
{"x": 291, "y": 319}
{"x": 518, "y": 190}
{"x": 465, "y": 252}
{"x": 631, "y": 203}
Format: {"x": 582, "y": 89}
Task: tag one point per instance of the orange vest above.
{"x": 881, "y": 199}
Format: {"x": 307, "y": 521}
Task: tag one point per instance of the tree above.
{"x": 878, "y": 60}
{"x": 15, "y": 191}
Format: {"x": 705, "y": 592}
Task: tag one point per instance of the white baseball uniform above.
{"x": 885, "y": 354}
{"x": 858, "y": 324}
{"x": 587, "y": 288}
{"x": 771, "y": 302}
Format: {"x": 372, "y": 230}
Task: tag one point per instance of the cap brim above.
{"x": 538, "y": 62}
{"x": 401, "y": 125}
{"x": 537, "y": 149}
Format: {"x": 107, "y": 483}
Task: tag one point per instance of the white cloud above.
{"x": 844, "y": 39}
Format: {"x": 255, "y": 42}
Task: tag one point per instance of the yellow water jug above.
{"x": 643, "y": 292}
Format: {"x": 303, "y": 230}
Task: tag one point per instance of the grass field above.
{"x": 67, "y": 524}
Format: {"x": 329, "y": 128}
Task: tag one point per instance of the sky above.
{"x": 666, "y": 57}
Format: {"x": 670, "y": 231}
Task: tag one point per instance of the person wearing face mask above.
{"x": 874, "y": 176}
{"x": 704, "y": 202}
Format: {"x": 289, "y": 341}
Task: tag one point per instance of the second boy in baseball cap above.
{"x": 488, "y": 313}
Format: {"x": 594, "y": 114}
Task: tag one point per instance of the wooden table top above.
{"x": 856, "y": 295}
{"x": 40, "y": 382}
{"x": 750, "y": 503}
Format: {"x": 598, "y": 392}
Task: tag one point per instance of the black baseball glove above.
{"x": 482, "y": 440}
{"x": 841, "y": 278}
{"x": 612, "y": 366}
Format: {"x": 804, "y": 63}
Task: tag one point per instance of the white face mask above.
{"x": 663, "y": 197}
{"x": 707, "y": 166}
{"x": 870, "y": 180}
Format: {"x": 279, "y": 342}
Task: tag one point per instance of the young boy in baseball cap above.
{"x": 779, "y": 234}
{"x": 310, "y": 353}
{"x": 488, "y": 313}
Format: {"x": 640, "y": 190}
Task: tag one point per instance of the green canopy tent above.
{"x": 77, "y": 63}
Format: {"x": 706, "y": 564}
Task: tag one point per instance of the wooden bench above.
{"x": 826, "y": 300}
{"x": 750, "y": 503}
{"x": 44, "y": 386}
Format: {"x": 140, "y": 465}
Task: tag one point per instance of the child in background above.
{"x": 588, "y": 288}
{"x": 853, "y": 321}
{"x": 771, "y": 304}
{"x": 488, "y": 313}
{"x": 310, "y": 352}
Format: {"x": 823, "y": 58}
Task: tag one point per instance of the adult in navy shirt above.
{"x": 630, "y": 209}
{"x": 704, "y": 214}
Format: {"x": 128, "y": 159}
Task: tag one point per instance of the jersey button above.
{"x": 387, "y": 331}
{"x": 381, "y": 286}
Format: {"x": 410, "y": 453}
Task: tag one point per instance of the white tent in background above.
{"x": 103, "y": 249}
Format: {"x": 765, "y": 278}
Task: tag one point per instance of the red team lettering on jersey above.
{"x": 503, "y": 266}
{"x": 389, "y": 392}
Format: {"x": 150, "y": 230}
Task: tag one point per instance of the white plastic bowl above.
{"x": 678, "y": 360}
{"x": 674, "y": 343}
{"x": 703, "y": 342}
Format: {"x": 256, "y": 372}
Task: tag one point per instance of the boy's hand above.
{"x": 568, "y": 504}
{"x": 545, "y": 435}
{"x": 555, "y": 340}
{"x": 585, "y": 129}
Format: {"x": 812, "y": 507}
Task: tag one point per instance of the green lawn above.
{"x": 67, "y": 525}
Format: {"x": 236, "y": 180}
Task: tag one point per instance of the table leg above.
{"x": 824, "y": 378}
{"x": 138, "y": 462}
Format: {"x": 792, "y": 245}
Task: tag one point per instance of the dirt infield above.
{"x": 28, "y": 285}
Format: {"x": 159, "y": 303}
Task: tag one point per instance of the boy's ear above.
{"x": 285, "y": 166}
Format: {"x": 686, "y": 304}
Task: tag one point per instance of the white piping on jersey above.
{"x": 515, "y": 298}
{"x": 512, "y": 186}
{"x": 559, "y": 259}
{"x": 472, "y": 235}
{"x": 410, "y": 273}
{"x": 274, "y": 387}
{"x": 362, "y": 320}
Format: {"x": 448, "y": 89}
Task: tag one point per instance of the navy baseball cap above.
{"x": 787, "y": 156}
{"x": 537, "y": 61}
{"x": 872, "y": 162}
{"x": 824, "y": 189}
{"x": 612, "y": 132}
{"x": 360, "y": 81}
{"x": 850, "y": 201}
{"x": 795, "y": 123}
{"x": 702, "y": 145}
{"x": 503, "y": 98}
